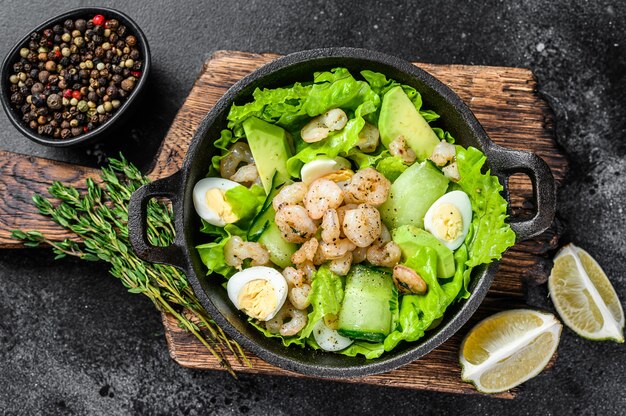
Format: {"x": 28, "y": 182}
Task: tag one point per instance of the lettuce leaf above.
{"x": 326, "y": 296}
{"x": 419, "y": 312}
{"x": 391, "y": 167}
{"x": 225, "y": 140}
{"x": 489, "y": 234}
{"x": 212, "y": 254}
{"x": 369, "y": 350}
{"x": 245, "y": 202}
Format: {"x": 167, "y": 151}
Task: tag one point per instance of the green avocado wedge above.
{"x": 270, "y": 148}
{"x": 399, "y": 117}
{"x": 410, "y": 238}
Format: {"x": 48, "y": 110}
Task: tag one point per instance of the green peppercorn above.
{"x": 24, "y": 52}
{"x": 108, "y": 107}
{"x": 22, "y": 76}
{"x": 91, "y": 104}
{"x": 129, "y": 63}
{"x": 79, "y": 41}
{"x": 100, "y": 109}
{"x": 14, "y": 79}
{"x": 66, "y": 37}
{"x": 76, "y": 33}
{"x": 100, "y": 66}
{"x": 82, "y": 106}
{"x": 73, "y": 102}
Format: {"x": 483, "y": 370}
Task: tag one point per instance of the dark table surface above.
{"x": 72, "y": 341}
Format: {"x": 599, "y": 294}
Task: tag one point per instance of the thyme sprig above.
{"x": 99, "y": 217}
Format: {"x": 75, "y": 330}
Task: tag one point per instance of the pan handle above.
{"x": 506, "y": 162}
{"x": 171, "y": 188}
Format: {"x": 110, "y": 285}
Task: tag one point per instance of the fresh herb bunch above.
{"x": 99, "y": 217}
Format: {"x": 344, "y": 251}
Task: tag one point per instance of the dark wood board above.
{"x": 505, "y": 101}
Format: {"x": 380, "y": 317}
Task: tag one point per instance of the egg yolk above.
{"x": 216, "y": 201}
{"x": 447, "y": 222}
{"x": 340, "y": 175}
{"x": 257, "y": 299}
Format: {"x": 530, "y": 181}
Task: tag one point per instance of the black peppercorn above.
{"x": 114, "y": 38}
{"x": 14, "y": 88}
{"x": 18, "y": 66}
{"x": 43, "y": 76}
{"x": 76, "y": 131}
{"x": 134, "y": 54}
{"x": 65, "y": 61}
{"x": 54, "y": 102}
{"x": 25, "y": 109}
{"x": 65, "y": 133}
{"x": 36, "y": 88}
{"x": 111, "y": 91}
{"x": 29, "y": 82}
{"x": 112, "y": 24}
{"x": 39, "y": 100}
{"x": 69, "y": 24}
{"x": 80, "y": 25}
{"x": 83, "y": 73}
{"x": 24, "y": 91}
{"x": 17, "y": 99}
{"x": 48, "y": 33}
{"x": 121, "y": 31}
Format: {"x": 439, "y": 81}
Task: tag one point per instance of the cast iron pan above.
{"x": 455, "y": 117}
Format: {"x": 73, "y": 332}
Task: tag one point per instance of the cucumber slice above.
{"x": 366, "y": 313}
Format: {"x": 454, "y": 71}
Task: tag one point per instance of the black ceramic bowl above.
{"x": 119, "y": 116}
{"x": 455, "y": 117}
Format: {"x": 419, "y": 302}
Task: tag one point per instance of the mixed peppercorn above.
{"x": 72, "y": 77}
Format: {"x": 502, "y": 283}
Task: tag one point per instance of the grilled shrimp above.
{"x": 368, "y": 186}
{"x": 359, "y": 255}
{"x": 320, "y": 127}
{"x": 408, "y": 281}
{"x": 331, "y": 227}
{"x": 386, "y": 255}
{"x": 295, "y": 321}
{"x": 308, "y": 269}
{"x": 337, "y": 249}
{"x": 299, "y": 296}
{"x": 362, "y": 226}
{"x": 294, "y": 223}
{"x": 341, "y": 266}
{"x": 237, "y": 154}
{"x": 452, "y": 172}
{"x": 399, "y": 148}
{"x": 294, "y": 277}
{"x": 323, "y": 194}
{"x": 290, "y": 195}
{"x": 298, "y": 292}
{"x": 236, "y": 251}
{"x": 246, "y": 174}
{"x": 443, "y": 153}
{"x": 368, "y": 138}
{"x": 306, "y": 252}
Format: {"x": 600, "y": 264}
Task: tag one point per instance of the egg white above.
{"x": 321, "y": 167}
{"x": 328, "y": 339}
{"x": 462, "y": 202}
{"x": 199, "y": 199}
{"x": 237, "y": 282}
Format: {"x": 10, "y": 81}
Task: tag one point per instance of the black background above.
{"x": 72, "y": 341}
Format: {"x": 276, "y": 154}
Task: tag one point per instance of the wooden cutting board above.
{"x": 505, "y": 101}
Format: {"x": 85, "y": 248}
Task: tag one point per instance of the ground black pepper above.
{"x": 71, "y": 77}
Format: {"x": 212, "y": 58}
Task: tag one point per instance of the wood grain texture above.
{"x": 504, "y": 100}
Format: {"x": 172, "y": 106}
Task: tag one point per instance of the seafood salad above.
{"x": 342, "y": 217}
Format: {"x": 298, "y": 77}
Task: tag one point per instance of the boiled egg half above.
{"x": 322, "y": 167}
{"x": 449, "y": 218}
{"x": 209, "y": 200}
{"x": 258, "y": 291}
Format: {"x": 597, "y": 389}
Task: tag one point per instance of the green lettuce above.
{"x": 369, "y": 350}
{"x": 212, "y": 254}
{"x": 419, "y": 312}
{"x": 391, "y": 167}
{"x": 325, "y": 296}
{"x": 489, "y": 235}
{"x": 245, "y": 203}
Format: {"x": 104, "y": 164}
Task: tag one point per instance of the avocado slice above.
{"x": 412, "y": 193}
{"x": 409, "y": 237}
{"x": 399, "y": 117}
{"x": 270, "y": 148}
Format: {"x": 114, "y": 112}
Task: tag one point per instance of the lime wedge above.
{"x": 584, "y": 297}
{"x": 508, "y": 348}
